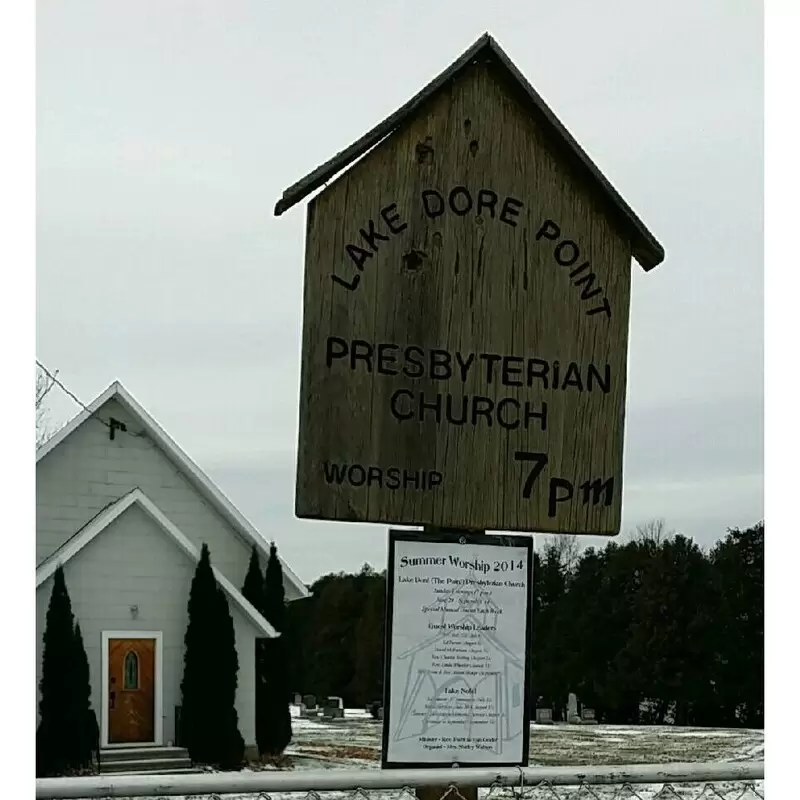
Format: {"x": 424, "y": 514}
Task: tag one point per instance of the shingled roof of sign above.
{"x": 646, "y": 249}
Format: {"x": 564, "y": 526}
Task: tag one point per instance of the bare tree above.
{"x": 44, "y": 383}
{"x": 654, "y": 530}
{"x": 566, "y": 546}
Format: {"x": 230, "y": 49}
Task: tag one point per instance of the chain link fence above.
{"x": 718, "y": 781}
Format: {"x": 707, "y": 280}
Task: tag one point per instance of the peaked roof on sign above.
{"x": 646, "y": 249}
{"x": 101, "y": 522}
{"x": 204, "y": 485}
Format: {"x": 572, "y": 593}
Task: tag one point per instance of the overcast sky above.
{"x": 166, "y": 131}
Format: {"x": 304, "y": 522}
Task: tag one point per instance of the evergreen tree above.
{"x": 549, "y": 585}
{"x": 668, "y": 639}
{"x": 198, "y": 726}
{"x": 738, "y": 577}
{"x": 274, "y": 593}
{"x": 367, "y": 683}
{"x": 253, "y": 589}
{"x": 231, "y": 743}
{"x": 63, "y": 738}
{"x": 208, "y": 689}
{"x": 87, "y": 732}
{"x": 332, "y": 650}
{"x": 277, "y": 728}
{"x": 653, "y": 630}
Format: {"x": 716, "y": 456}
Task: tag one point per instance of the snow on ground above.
{"x": 720, "y": 791}
{"x": 354, "y": 742}
{"x": 358, "y": 737}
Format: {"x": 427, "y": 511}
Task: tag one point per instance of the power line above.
{"x": 58, "y": 383}
{"x": 92, "y": 414}
{"x": 142, "y": 435}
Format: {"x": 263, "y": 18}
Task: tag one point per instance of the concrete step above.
{"x": 144, "y": 759}
{"x": 176, "y": 771}
{"x": 134, "y": 766}
{"x": 140, "y": 753}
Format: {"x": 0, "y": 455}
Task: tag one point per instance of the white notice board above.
{"x": 458, "y": 633}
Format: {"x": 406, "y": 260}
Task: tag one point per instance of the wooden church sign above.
{"x": 465, "y": 317}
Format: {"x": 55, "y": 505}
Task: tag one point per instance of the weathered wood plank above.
{"x": 646, "y": 249}
{"x": 449, "y": 342}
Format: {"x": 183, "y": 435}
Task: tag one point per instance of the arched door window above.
{"x": 130, "y": 679}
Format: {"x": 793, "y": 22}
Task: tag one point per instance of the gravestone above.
{"x": 572, "y": 709}
{"x": 588, "y": 716}
{"x": 333, "y": 708}
{"x": 544, "y": 716}
{"x": 308, "y": 708}
{"x": 298, "y": 699}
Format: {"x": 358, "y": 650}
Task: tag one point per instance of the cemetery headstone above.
{"x": 308, "y": 708}
{"x": 544, "y": 716}
{"x": 333, "y": 708}
{"x": 572, "y": 709}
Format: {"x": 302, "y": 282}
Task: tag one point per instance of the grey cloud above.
{"x": 165, "y": 133}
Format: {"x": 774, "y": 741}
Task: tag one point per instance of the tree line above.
{"x": 653, "y": 630}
